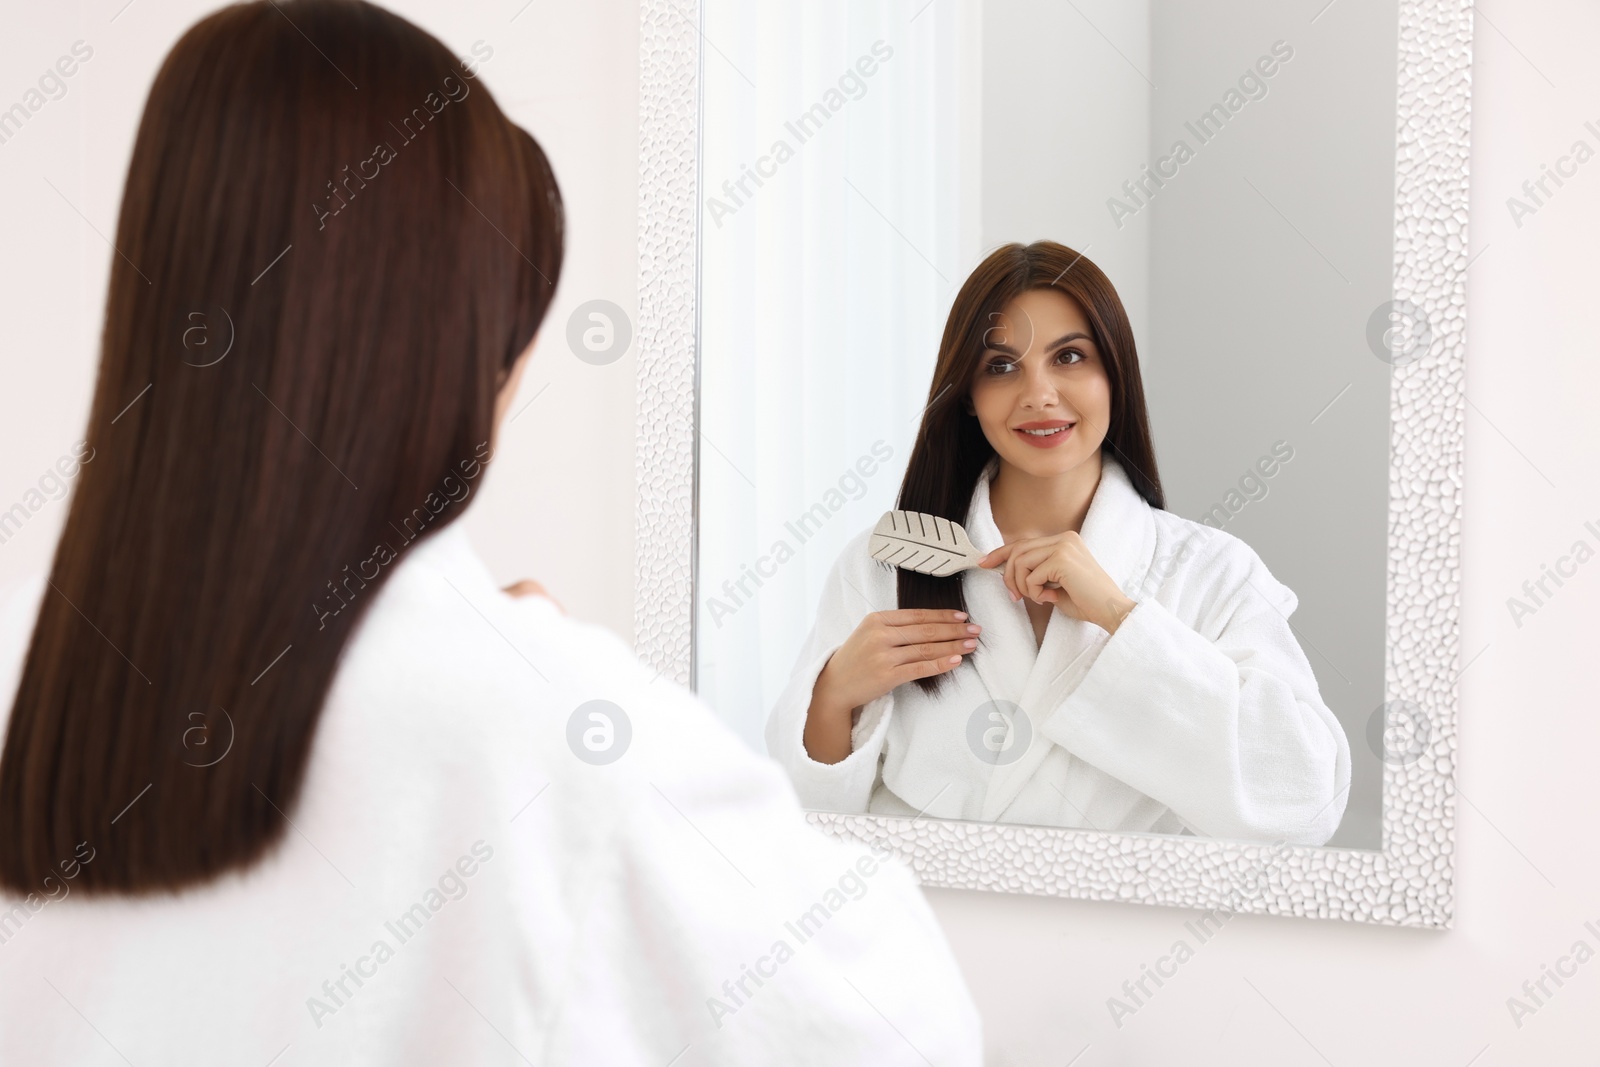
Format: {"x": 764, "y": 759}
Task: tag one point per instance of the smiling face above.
{"x": 1040, "y": 370}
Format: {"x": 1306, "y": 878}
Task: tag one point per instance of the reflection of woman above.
{"x": 283, "y": 766}
{"x": 1122, "y": 669}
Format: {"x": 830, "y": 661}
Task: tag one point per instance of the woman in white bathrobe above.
{"x": 1113, "y": 666}
{"x": 287, "y": 779}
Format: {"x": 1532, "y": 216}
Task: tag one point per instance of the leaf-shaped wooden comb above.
{"x": 928, "y": 544}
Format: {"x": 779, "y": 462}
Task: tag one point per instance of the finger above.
{"x": 932, "y": 651}
{"x": 1016, "y": 571}
{"x": 526, "y": 587}
{"x": 1025, "y": 572}
{"x": 1036, "y": 569}
{"x": 926, "y": 668}
{"x": 1039, "y": 571}
{"x": 919, "y": 616}
{"x": 957, "y": 643}
{"x": 935, "y": 653}
{"x": 926, "y": 633}
{"x": 1034, "y": 583}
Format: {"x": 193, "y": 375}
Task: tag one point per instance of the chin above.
{"x": 1043, "y": 463}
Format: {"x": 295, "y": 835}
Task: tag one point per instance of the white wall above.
{"x": 1041, "y": 969}
{"x": 1049, "y": 165}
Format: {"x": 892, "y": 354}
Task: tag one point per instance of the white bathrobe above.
{"x": 535, "y": 908}
{"x": 1200, "y": 714}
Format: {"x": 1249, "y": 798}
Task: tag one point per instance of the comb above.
{"x": 927, "y": 544}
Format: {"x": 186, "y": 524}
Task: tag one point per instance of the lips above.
{"x": 1047, "y": 433}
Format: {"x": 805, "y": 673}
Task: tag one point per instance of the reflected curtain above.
{"x": 834, "y": 234}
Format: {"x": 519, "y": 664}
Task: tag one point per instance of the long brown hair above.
{"x": 365, "y": 245}
{"x": 951, "y": 451}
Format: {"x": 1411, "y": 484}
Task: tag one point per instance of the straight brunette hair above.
{"x": 951, "y": 451}
{"x": 333, "y": 246}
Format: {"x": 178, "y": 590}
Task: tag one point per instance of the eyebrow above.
{"x": 1057, "y": 343}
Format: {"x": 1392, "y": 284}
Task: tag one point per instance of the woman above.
{"x": 1122, "y": 668}
{"x": 286, "y": 778}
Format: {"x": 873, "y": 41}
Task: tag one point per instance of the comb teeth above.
{"x": 921, "y": 542}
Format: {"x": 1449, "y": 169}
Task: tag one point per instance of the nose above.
{"x": 1039, "y": 389}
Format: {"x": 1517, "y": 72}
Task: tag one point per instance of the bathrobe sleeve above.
{"x": 1224, "y": 724}
{"x": 851, "y": 591}
{"x": 726, "y": 926}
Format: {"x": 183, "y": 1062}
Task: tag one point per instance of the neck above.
{"x": 1029, "y": 505}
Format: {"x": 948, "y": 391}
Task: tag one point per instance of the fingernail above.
{"x": 974, "y": 628}
{"x": 960, "y": 615}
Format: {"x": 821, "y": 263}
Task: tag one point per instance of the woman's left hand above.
{"x": 529, "y": 587}
{"x": 1083, "y": 590}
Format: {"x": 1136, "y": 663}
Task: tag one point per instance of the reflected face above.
{"x": 1040, "y": 370}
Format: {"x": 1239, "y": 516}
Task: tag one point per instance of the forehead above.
{"x": 1043, "y": 313}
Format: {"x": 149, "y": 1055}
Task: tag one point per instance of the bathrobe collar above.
{"x": 1118, "y": 528}
{"x": 1119, "y": 531}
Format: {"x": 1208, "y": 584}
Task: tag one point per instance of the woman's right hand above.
{"x": 887, "y": 649}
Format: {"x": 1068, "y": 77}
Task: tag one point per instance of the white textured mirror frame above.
{"x": 1410, "y": 881}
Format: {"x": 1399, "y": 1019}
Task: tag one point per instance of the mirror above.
{"x": 1217, "y": 185}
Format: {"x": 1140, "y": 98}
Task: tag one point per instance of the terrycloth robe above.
{"x": 1201, "y": 714}
{"x": 460, "y": 887}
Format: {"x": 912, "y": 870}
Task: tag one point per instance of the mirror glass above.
{"x": 886, "y": 192}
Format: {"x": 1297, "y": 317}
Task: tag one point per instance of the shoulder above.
{"x": 1222, "y": 564}
{"x": 446, "y": 617}
{"x": 514, "y": 683}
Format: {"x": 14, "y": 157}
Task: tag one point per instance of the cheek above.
{"x": 991, "y": 408}
{"x": 1092, "y": 396}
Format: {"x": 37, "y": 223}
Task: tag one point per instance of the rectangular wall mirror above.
{"x": 1165, "y": 298}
